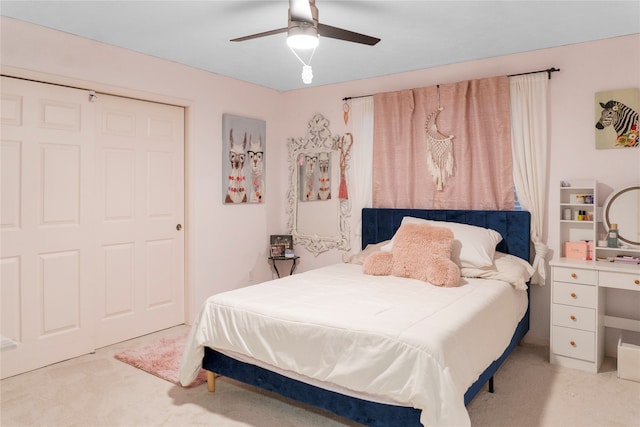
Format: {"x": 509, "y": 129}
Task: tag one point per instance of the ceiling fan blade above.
{"x": 341, "y": 34}
{"x": 255, "y": 36}
{"x": 300, "y": 11}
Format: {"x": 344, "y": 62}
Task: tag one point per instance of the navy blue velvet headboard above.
{"x": 380, "y": 224}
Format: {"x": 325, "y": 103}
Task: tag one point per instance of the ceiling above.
{"x": 415, "y": 34}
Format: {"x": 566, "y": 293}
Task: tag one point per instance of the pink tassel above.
{"x": 343, "y": 194}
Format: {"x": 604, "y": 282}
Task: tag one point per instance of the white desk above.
{"x": 578, "y": 318}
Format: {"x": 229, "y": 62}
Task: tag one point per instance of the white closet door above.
{"x": 92, "y": 197}
{"x": 47, "y": 224}
{"x": 140, "y": 205}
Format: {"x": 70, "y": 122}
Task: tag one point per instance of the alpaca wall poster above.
{"x": 243, "y": 159}
{"x": 617, "y": 118}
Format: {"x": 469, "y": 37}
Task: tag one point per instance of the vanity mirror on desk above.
{"x": 590, "y": 298}
{"x": 622, "y": 208}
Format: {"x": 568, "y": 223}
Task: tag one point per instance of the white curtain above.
{"x": 529, "y": 95}
{"x": 361, "y": 120}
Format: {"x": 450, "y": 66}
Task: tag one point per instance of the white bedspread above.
{"x": 407, "y": 341}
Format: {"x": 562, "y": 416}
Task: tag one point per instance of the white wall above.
{"x": 228, "y": 244}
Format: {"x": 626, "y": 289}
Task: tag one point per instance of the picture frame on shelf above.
{"x": 277, "y": 251}
{"x": 282, "y": 239}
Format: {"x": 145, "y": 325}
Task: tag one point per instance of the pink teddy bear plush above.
{"x": 420, "y": 251}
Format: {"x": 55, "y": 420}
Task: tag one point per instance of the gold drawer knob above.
{"x": 573, "y": 318}
{"x": 573, "y": 295}
{"x": 573, "y": 343}
{"x": 574, "y": 276}
{"x": 637, "y": 281}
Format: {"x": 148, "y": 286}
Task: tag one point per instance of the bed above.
{"x": 415, "y": 386}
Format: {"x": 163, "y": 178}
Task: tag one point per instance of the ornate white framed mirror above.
{"x": 622, "y": 207}
{"x": 318, "y": 218}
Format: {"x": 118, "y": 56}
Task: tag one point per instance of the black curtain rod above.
{"x": 548, "y": 71}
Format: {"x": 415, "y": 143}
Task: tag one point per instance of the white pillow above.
{"x": 359, "y": 257}
{"x": 472, "y": 246}
{"x": 508, "y": 268}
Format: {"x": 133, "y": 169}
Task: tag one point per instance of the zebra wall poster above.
{"x": 616, "y": 114}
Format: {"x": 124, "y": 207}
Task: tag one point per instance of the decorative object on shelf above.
{"x": 627, "y": 259}
{"x": 439, "y": 149}
{"x": 579, "y": 250}
{"x": 318, "y": 227}
{"x": 617, "y": 118}
{"x": 612, "y": 236}
{"x": 577, "y": 199}
{"x": 243, "y": 159}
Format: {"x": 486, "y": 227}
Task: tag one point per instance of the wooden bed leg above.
{"x": 491, "y": 385}
{"x": 211, "y": 381}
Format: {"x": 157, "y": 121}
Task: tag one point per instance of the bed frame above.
{"x": 379, "y": 225}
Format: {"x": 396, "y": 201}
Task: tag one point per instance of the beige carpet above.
{"x": 98, "y": 390}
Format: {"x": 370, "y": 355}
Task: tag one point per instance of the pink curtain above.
{"x": 476, "y": 113}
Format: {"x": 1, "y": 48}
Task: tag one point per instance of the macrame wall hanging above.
{"x": 439, "y": 149}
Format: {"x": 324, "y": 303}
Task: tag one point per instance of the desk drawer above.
{"x": 573, "y": 294}
{"x": 620, "y": 280}
{"x": 574, "y": 317}
{"x": 574, "y": 275}
{"x": 574, "y": 343}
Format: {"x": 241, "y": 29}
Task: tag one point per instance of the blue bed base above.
{"x": 379, "y": 225}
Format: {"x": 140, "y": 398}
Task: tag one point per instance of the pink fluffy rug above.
{"x": 161, "y": 359}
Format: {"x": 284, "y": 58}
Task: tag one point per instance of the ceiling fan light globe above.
{"x": 302, "y": 41}
{"x": 307, "y": 74}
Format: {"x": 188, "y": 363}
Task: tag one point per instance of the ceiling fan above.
{"x": 303, "y": 21}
